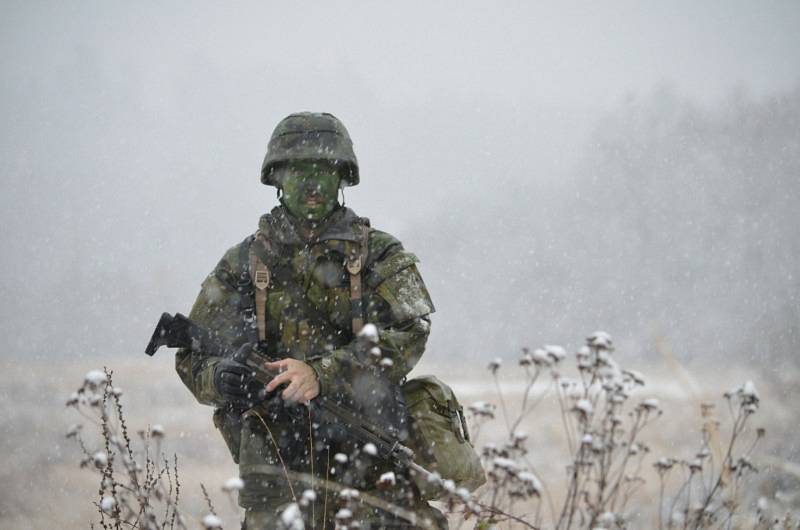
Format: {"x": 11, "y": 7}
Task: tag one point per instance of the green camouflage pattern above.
{"x": 439, "y": 436}
{"x": 396, "y": 301}
{"x": 395, "y": 297}
{"x": 310, "y": 188}
{"x": 311, "y": 136}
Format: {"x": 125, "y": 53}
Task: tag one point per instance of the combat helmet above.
{"x": 310, "y": 135}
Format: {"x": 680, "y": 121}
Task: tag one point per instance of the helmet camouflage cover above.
{"x": 310, "y": 136}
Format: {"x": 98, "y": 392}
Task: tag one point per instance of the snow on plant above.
{"x": 138, "y": 488}
{"x": 712, "y": 482}
{"x": 602, "y": 419}
{"x": 603, "y": 424}
{"x": 212, "y": 522}
{"x": 141, "y": 489}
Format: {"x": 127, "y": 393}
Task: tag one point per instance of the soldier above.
{"x": 301, "y": 289}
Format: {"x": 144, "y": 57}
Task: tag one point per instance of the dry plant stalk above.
{"x": 138, "y": 489}
{"x": 602, "y": 425}
{"x": 603, "y": 428}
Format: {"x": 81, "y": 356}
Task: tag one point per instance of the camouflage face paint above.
{"x": 310, "y": 188}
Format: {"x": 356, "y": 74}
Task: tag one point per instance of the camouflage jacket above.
{"x": 394, "y": 296}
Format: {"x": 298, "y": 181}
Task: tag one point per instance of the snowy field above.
{"x": 43, "y": 487}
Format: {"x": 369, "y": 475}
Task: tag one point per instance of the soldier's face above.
{"x": 310, "y": 188}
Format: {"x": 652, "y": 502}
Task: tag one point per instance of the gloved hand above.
{"x": 236, "y": 382}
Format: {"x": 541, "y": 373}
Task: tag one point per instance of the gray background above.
{"x": 627, "y": 166}
{"x": 631, "y": 166}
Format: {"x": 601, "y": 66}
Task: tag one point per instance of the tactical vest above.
{"x": 299, "y": 315}
{"x": 289, "y": 312}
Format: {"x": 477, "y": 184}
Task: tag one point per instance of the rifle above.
{"x": 180, "y": 332}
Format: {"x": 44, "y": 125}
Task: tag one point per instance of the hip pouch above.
{"x": 439, "y": 436}
{"x": 229, "y": 424}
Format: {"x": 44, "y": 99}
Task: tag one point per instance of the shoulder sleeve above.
{"x": 380, "y": 244}
{"x": 392, "y": 274}
{"x": 216, "y": 307}
{"x": 398, "y": 304}
{"x": 217, "y": 304}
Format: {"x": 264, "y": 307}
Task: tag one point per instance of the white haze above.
{"x": 631, "y": 166}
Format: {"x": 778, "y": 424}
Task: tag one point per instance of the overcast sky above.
{"x": 132, "y": 133}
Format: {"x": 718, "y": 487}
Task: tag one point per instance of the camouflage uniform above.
{"x": 394, "y": 299}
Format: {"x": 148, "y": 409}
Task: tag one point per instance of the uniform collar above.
{"x": 279, "y": 225}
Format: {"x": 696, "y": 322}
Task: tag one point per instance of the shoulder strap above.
{"x": 256, "y": 277}
{"x": 274, "y": 270}
{"x": 259, "y": 273}
{"x": 244, "y": 286}
{"x": 355, "y": 265}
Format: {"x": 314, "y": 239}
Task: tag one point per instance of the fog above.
{"x": 632, "y": 167}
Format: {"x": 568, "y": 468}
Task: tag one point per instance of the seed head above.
{"x": 584, "y": 408}
{"x": 107, "y": 504}
{"x": 648, "y": 405}
{"x": 664, "y": 464}
{"x": 600, "y": 340}
{"x": 482, "y": 409}
{"x": 495, "y": 365}
{"x": 212, "y": 522}
{"x": 555, "y": 353}
{"x": 369, "y": 333}
{"x": 387, "y": 480}
{"x": 531, "y": 482}
{"x": 94, "y": 378}
{"x": 100, "y": 459}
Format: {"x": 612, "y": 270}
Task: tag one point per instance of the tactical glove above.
{"x": 236, "y": 382}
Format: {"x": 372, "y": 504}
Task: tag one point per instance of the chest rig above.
{"x": 263, "y": 267}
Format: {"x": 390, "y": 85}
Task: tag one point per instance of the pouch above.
{"x": 439, "y": 437}
{"x": 229, "y": 424}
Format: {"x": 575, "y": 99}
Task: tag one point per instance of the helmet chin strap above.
{"x": 342, "y": 190}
